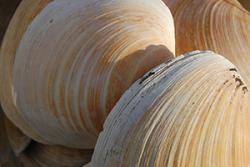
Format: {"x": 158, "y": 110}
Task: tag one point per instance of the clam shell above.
{"x": 190, "y": 112}
{"x": 56, "y": 156}
{"x": 17, "y": 140}
{"x": 32, "y": 154}
{"x": 218, "y": 25}
{"x": 74, "y": 60}
{"x": 18, "y": 25}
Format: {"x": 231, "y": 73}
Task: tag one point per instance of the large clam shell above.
{"x": 222, "y": 26}
{"x": 191, "y": 112}
{"x": 54, "y": 156}
{"x": 72, "y": 61}
{"x": 32, "y": 154}
{"x": 18, "y": 25}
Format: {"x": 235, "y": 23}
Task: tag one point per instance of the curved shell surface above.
{"x": 18, "y": 25}
{"x": 29, "y": 153}
{"x": 56, "y": 156}
{"x": 17, "y": 140}
{"x": 190, "y": 112}
{"x": 75, "y": 59}
{"x": 218, "y": 25}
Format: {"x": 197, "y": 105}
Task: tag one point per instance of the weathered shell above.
{"x": 191, "y": 112}
{"x": 17, "y": 140}
{"x": 74, "y": 60}
{"x": 222, "y": 26}
{"x": 54, "y": 156}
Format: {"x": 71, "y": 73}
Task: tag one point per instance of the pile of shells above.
{"x": 122, "y": 83}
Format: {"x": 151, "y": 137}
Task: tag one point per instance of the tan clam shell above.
{"x": 74, "y": 60}
{"x": 17, "y": 140}
{"x": 54, "y": 156}
{"x": 7, "y": 156}
{"x": 32, "y": 154}
{"x": 190, "y": 112}
{"x": 218, "y": 25}
{"x": 18, "y": 25}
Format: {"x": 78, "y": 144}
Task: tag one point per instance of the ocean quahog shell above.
{"x": 190, "y": 112}
{"x": 54, "y": 156}
{"x": 32, "y": 154}
{"x": 72, "y": 60}
{"x": 16, "y": 150}
{"x": 218, "y": 25}
{"x": 18, "y": 25}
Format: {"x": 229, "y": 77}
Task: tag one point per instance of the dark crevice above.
{"x": 245, "y": 4}
{"x": 244, "y": 89}
{"x": 233, "y": 69}
{"x": 147, "y": 76}
{"x": 239, "y": 81}
{"x": 7, "y": 9}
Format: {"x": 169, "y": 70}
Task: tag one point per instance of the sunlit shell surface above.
{"x": 190, "y": 112}
{"x": 222, "y": 26}
{"x": 74, "y": 59}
